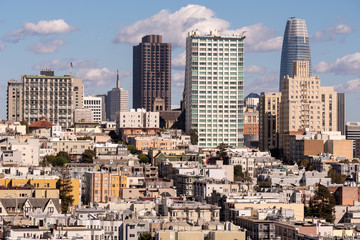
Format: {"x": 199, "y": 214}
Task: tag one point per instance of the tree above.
{"x": 336, "y": 177}
{"x": 55, "y": 161}
{"x": 238, "y": 172}
{"x": 355, "y": 161}
{"x": 65, "y": 188}
{"x": 322, "y": 205}
{"x": 344, "y": 161}
{"x": 144, "y": 158}
{"x": 145, "y": 236}
{"x": 265, "y": 184}
{"x": 222, "y": 151}
{"x": 114, "y": 136}
{"x": 84, "y": 138}
{"x": 194, "y": 138}
{"x": 132, "y": 149}
{"x": 88, "y": 156}
{"x": 65, "y": 155}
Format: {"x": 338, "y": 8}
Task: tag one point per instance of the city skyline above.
{"x": 96, "y": 47}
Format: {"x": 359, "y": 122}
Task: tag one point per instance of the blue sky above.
{"x": 97, "y": 37}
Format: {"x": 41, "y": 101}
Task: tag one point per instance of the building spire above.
{"x": 117, "y": 79}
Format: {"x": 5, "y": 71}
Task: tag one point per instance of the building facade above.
{"x": 213, "y": 91}
{"x": 95, "y": 104}
{"x": 52, "y": 97}
{"x": 305, "y": 104}
{"x": 341, "y": 112}
{"x": 139, "y": 118}
{"x": 352, "y": 132}
{"x": 295, "y": 47}
{"x": 14, "y": 101}
{"x": 152, "y": 73}
{"x": 269, "y": 120}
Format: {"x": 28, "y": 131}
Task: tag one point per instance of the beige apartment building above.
{"x": 73, "y": 147}
{"x": 269, "y": 120}
{"x": 14, "y": 101}
{"x": 49, "y": 96}
{"x": 305, "y": 104}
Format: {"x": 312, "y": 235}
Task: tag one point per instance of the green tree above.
{"x": 65, "y": 155}
{"x": 222, "y": 151}
{"x": 65, "y": 189}
{"x": 336, "y": 177}
{"x": 145, "y": 236}
{"x": 344, "y": 161}
{"x": 355, "y": 161}
{"x": 144, "y": 158}
{"x": 55, "y": 161}
{"x": 114, "y": 136}
{"x": 265, "y": 184}
{"x": 238, "y": 172}
{"x": 304, "y": 163}
{"x": 322, "y": 205}
{"x": 88, "y": 156}
{"x": 132, "y": 149}
{"x": 194, "y": 138}
{"x": 84, "y": 138}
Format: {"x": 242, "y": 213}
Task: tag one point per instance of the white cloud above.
{"x": 175, "y": 26}
{"x": 351, "y": 86}
{"x": 347, "y": 65}
{"x": 179, "y": 61}
{"x": 99, "y": 77}
{"x": 330, "y": 33}
{"x": 2, "y": 47}
{"x": 47, "y": 46}
{"x": 268, "y": 82}
{"x": 253, "y": 69}
{"x": 64, "y": 65}
{"x": 44, "y": 27}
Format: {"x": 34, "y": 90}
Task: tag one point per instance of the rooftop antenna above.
{"x": 117, "y": 79}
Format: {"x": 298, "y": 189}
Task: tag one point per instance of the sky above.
{"x": 97, "y": 38}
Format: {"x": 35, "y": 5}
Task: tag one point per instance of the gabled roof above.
{"x": 41, "y": 124}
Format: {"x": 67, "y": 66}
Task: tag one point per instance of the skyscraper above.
{"x": 152, "y": 73}
{"x": 295, "y": 47}
{"x": 117, "y": 100}
{"x": 213, "y": 91}
{"x": 14, "y": 101}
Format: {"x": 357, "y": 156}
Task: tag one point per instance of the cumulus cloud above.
{"x": 64, "y": 65}
{"x": 347, "y": 65}
{"x": 175, "y": 27}
{"x": 267, "y": 82}
{"x": 330, "y": 33}
{"x": 99, "y": 77}
{"x": 179, "y": 61}
{"x": 351, "y": 86}
{"x": 46, "y": 46}
{"x": 253, "y": 69}
{"x": 2, "y": 47}
{"x": 44, "y": 27}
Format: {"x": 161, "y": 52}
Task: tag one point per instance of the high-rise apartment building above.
{"x": 305, "y": 104}
{"x": 52, "y": 97}
{"x": 14, "y": 101}
{"x": 95, "y": 104}
{"x": 213, "y": 91}
{"x": 295, "y": 47}
{"x": 269, "y": 120}
{"x": 152, "y": 73}
{"x": 117, "y": 100}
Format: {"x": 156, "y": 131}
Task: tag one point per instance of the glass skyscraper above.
{"x": 295, "y": 47}
{"x": 213, "y": 92}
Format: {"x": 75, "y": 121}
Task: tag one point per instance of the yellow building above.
{"x": 44, "y": 187}
{"x": 104, "y": 186}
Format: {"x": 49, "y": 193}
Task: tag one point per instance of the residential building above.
{"x": 269, "y": 120}
{"x": 295, "y": 47}
{"x": 84, "y": 115}
{"x": 52, "y": 97}
{"x": 138, "y": 118}
{"x": 14, "y": 101}
{"x": 213, "y": 91}
{"x": 152, "y": 74}
{"x": 95, "y": 104}
{"x": 305, "y": 104}
{"x": 251, "y": 129}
